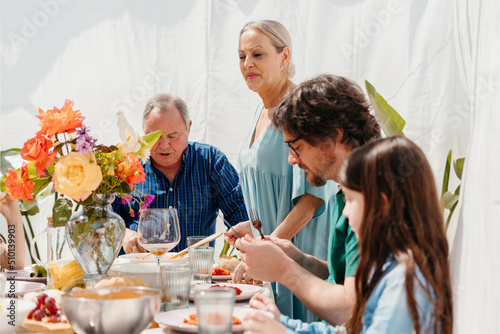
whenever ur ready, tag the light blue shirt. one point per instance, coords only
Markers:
(386, 310)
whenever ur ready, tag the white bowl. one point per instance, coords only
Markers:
(145, 271)
(13, 312)
(148, 257)
(19, 288)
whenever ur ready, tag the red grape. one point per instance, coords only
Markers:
(41, 299)
(39, 315)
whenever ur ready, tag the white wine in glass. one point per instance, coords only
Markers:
(158, 232)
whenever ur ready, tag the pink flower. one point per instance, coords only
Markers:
(126, 199)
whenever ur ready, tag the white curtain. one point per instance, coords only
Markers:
(475, 260)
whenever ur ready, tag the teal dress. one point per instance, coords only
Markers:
(272, 186)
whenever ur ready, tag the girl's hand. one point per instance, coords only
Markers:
(264, 303)
(258, 322)
(9, 208)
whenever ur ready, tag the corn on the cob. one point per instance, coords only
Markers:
(62, 276)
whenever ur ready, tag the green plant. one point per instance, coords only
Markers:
(392, 124)
(449, 199)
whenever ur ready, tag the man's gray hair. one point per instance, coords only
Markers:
(162, 103)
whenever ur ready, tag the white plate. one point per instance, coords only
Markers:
(147, 257)
(175, 319)
(222, 277)
(19, 288)
(247, 290)
(24, 275)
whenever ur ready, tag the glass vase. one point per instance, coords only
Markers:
(95, 235)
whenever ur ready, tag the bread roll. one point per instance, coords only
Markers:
(115, 281)
(228, 262)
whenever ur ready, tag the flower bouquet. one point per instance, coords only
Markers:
(65, 159)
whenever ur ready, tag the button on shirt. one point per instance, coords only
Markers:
(205, 183)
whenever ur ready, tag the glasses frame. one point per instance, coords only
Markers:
(289, 144)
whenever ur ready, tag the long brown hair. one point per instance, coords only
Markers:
(408, 225)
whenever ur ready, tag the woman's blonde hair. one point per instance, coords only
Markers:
(279, 36)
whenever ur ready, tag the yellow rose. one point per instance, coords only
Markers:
(76, 175)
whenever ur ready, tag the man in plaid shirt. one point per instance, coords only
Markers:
(196, 179)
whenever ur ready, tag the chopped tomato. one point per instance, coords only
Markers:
(192, 320)
(238, 290)
(220, 271)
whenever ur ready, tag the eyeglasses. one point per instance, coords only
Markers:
(289, 144)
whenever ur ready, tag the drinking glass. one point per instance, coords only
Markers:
(214, 310)
(200, 261)
(158, 232)
(175, 285)
(191, 240)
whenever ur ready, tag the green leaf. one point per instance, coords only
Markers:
(30, 210)
(123, 187)
(449, 200)
(390, 120)
(446, 176)
(61, 212)
(152, 138)
(458, 166)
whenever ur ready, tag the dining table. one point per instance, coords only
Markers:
(267, 291)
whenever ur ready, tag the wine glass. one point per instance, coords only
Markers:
(158, 232)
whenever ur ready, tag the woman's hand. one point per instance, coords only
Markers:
(289, 248)
(242, 228)
(264, 303)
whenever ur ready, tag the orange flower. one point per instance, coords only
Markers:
(19, 186)
(37, 149)
(130, 169)
(57, 121)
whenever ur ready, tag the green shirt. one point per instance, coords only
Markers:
(343, 256)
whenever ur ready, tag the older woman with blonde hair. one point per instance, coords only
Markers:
(288, 206)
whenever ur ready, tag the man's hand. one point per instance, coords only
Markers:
(242, 228)
(130, 244)
(262, 259)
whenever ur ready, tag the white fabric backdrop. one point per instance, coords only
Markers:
(475, 250)
(114, 55)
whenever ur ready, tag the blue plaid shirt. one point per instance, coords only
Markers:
(205, 183)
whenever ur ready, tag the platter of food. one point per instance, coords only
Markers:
(184, 320)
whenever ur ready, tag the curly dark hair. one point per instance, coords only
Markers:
(318, 106)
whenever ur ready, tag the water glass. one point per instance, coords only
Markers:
(200, 261)
(191, 240)
(214, 310)
(175, 286)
